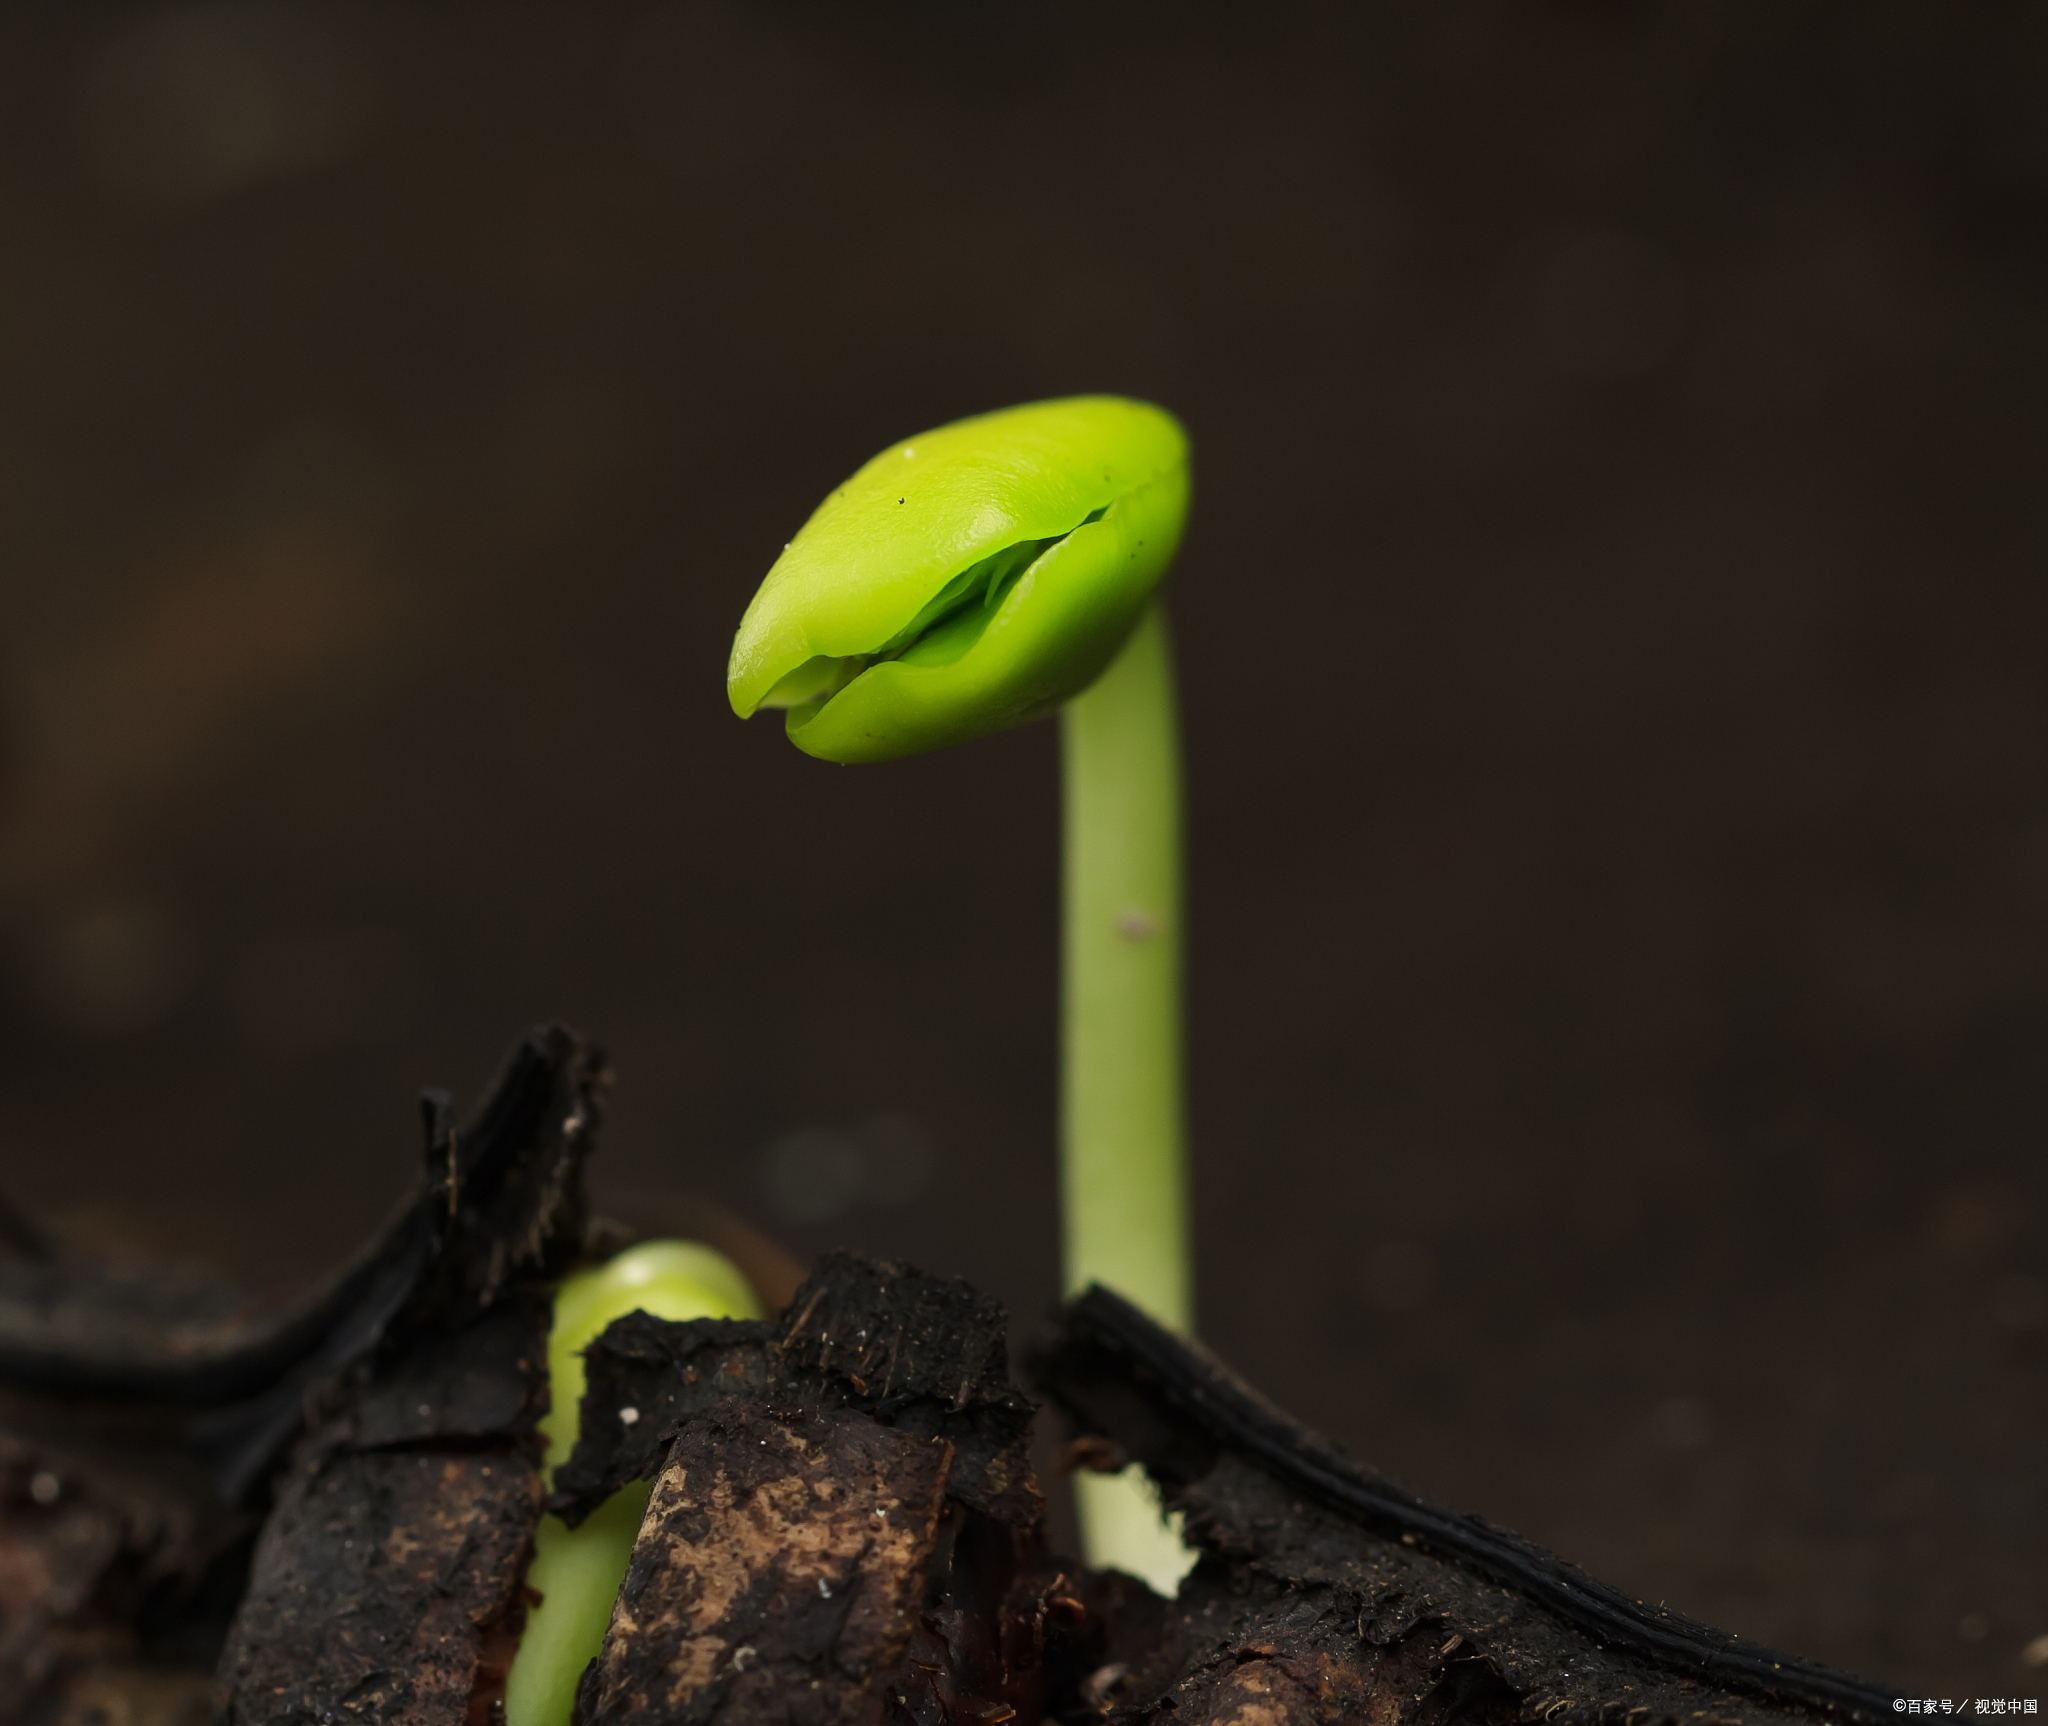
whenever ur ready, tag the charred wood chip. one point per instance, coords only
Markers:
(77, 1326)
(918, 1337)
(514, 1189)
(869, 1355)
(1290, 1619)
(381, 1588)
(777, 1573)
(504, 1192)
(387, 1584)
(1289, 1525)
(486, 1379)
(501, 1208)
(136, 1411)
(930, 1351)
(928, 1354)
(667, 1373)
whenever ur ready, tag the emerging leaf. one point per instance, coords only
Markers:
(966, 580)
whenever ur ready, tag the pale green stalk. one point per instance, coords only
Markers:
(1123, 1168)
(1124, 1189)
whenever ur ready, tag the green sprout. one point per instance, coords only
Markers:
(967, 580)
(577, 1572)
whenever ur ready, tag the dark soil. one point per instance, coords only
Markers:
(843, 1528)
(331, 1514)
(331, 1504)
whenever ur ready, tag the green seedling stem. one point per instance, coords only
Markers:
(970, 579)
(1123, 1168)
(1123, 1159)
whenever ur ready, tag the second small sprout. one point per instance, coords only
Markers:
(577, 1572)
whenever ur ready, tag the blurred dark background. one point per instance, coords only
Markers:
(1612, 630)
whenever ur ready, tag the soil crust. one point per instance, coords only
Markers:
(330, 1505)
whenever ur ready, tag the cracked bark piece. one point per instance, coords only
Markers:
(142, 1413)
(778, 1569)
(383, 1583)
(893, 1362)
(925, 1354)
(387, 1582)
(236, 1371)
(1326, 1591)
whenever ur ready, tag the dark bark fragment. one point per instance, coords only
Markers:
(501, 1209)
(796, 1462)
(377, 1584)
(928, 1355)
(1327, 1591)
(923, 1354)
(493, 1200)
(776, 1573)
(1324, 1592)
(387, 1581)
(844, 1527)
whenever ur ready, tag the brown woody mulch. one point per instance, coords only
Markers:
(329, 1506)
